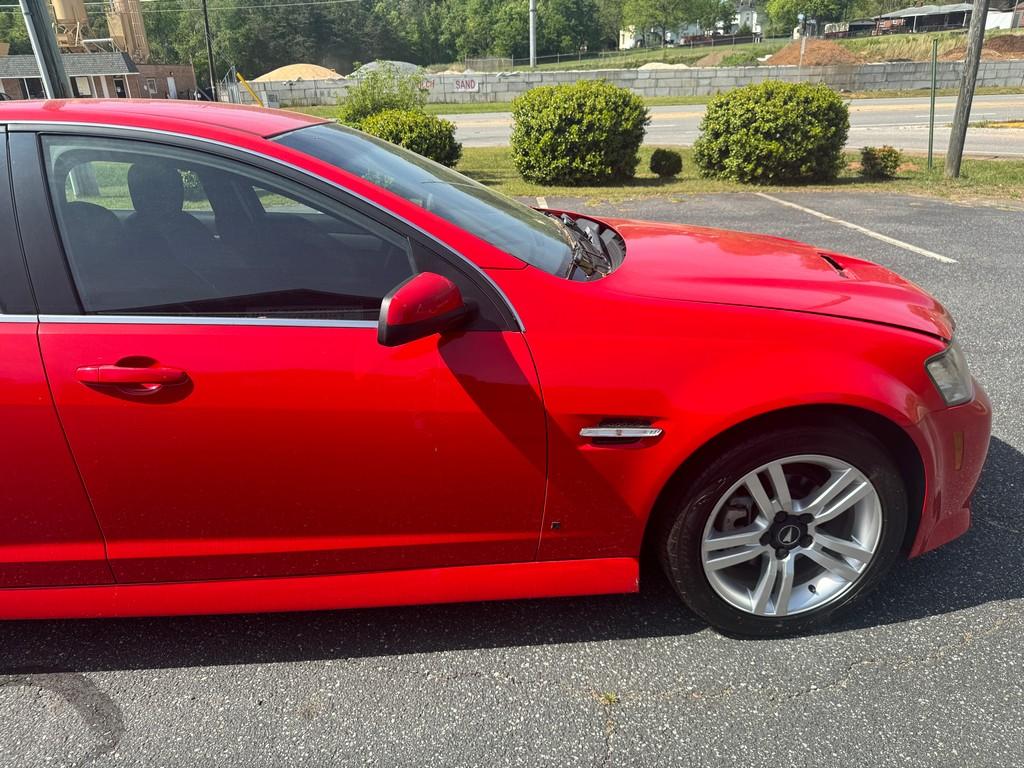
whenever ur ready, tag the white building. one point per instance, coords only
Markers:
(747, 16)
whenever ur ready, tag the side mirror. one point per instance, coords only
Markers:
(423, 305)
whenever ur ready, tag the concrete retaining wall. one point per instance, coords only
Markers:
(663, 82)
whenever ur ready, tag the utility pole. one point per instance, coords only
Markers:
(209, 51)
(44, 45)
(533, 33)
(931, 108)
(976, 38)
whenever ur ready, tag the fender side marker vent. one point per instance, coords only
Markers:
(619, 433)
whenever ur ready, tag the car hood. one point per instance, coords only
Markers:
(671, 261)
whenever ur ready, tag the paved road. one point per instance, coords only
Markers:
(928, 672)
(901, 123)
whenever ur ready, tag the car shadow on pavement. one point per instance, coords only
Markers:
(981, 567)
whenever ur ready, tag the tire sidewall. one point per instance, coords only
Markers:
(681, 548)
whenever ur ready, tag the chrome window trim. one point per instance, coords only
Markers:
(289, 322)
(19, 318)
(42, 125)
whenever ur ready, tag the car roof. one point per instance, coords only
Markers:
(171, 114)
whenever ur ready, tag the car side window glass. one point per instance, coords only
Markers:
(105, 183)
(156, 230)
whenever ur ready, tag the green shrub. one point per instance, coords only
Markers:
(588, 132)
(880, 162)
(424, 134)
(381, 89)
(666, 163)
(774, 132)
(740, 59)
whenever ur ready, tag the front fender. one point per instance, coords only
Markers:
(694, 370)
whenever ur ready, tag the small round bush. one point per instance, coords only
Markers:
(381, 89)
(424, 134)
(774, 132)
(880, 162)
(666, 163)
(588, 132)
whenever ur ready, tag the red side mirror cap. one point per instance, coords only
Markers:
(423, 305)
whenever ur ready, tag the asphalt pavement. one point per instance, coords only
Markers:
(901, 123)
(929, 670)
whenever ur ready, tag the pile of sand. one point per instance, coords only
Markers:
(818, 53)
(662, 65)
(1001, 47)
(299, 72)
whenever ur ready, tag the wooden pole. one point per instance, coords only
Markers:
(209, 51)
(976, 38)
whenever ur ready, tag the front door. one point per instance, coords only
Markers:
(226, 399)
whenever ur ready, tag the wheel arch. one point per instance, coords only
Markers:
(899, 443)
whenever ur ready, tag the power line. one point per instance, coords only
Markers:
(248, 7)
(13, 8)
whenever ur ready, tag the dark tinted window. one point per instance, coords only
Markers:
(504, 223)
(150, 229)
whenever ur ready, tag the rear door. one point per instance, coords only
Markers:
(48, 533)
(266, 432)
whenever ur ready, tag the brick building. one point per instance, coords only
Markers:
(100, 75)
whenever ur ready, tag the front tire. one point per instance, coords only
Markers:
(782, 531)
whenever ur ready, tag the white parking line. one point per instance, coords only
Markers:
(862, 230)
(542, 202)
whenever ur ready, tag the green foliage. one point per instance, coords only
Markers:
(384, 88)
(562, 26)
(427, 135)
(708, 13)
(774, 132)
(740, 59)
(12, 30)
(783, 13)
(259, 39)
(880, 162)
(588, 132)
(662, 15)
(666, 163)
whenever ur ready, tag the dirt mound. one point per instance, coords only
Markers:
(712, 59)
(1008, 46)
(299, 72)
(1001, 47)
(818, 53)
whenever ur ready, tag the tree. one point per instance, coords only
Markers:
(663, 15)
(609, 22)
(784, 12)
(709, 13)
(12, 30)
(570, 25)
(258, 39)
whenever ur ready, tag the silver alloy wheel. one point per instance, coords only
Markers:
(792, 536)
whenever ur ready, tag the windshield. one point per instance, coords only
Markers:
(504, 223)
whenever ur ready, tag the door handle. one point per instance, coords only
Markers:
(148, 377)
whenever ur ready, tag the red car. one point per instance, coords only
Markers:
(255, 361)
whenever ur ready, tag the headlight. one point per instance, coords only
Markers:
(949, 372)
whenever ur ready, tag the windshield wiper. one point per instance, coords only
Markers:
(584, 259)
(588, 252)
